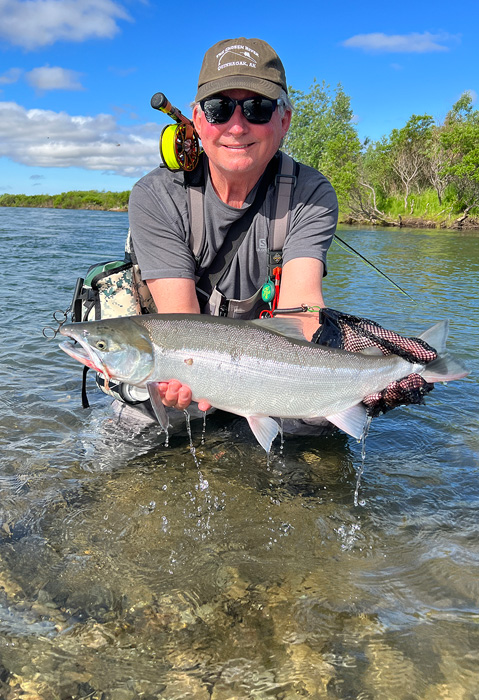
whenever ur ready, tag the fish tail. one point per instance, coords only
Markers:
(444, 368)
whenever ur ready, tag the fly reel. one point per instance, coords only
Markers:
(179, 143)
(179, 147)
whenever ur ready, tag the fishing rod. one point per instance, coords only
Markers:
(368, 262)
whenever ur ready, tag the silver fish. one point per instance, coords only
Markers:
(256, 369)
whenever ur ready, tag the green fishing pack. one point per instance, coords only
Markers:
(109, 290)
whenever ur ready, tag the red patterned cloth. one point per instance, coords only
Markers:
(410, 389)
(355, 334)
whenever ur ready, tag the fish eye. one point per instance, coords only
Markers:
(101, 344)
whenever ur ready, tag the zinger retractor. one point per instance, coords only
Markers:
(179, 143)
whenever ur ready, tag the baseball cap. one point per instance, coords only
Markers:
(249, 64)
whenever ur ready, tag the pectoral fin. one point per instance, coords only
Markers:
(264, 429)
(158, 406)
(352, 420)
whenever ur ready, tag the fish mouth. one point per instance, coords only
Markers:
(75, 350)
(84, 353)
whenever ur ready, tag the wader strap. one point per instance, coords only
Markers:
(197, 218)
(285, 183)
(215, 305)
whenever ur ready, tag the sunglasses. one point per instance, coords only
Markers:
(257, 110)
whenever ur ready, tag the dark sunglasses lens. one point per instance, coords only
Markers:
(258, 110)
(218, 110)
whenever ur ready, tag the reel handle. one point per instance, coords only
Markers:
(160, 102)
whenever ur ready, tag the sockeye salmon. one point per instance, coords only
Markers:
(256, 369)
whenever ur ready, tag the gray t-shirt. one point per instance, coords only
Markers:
(159, 225)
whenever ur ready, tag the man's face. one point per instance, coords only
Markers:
(239, 146)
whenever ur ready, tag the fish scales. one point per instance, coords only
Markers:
(238, 367)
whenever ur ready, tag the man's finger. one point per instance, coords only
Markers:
(169, 392)
(183, 397)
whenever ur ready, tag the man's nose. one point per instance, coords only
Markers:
(238, 121)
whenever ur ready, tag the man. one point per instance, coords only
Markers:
(241, 114)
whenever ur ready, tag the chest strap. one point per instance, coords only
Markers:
(196, 195)
(285, 182)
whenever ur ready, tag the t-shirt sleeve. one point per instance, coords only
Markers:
(158, 225)
(314, 218)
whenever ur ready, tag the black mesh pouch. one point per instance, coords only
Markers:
(353, 333)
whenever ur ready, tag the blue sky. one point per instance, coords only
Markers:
(76, 76)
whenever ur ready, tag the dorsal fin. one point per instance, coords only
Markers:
(371, 350)
(290, 327)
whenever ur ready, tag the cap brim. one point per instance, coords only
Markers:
(243, 82)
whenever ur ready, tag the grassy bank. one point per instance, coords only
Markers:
(421, 210)
(91, 199)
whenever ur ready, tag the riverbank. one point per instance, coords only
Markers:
(94, 200)
(90, 207)
(90, 200)
(462, 223)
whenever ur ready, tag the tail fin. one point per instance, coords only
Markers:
(445, 367)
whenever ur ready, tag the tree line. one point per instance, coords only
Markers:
(90, 199)
(424, 170)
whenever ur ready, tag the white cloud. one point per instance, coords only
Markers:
(12, 75)
(35, 23)
(43, 138)
(400, 43)
(54, 78)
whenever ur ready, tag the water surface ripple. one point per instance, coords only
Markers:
(128, 571)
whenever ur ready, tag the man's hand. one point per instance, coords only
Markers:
(174, 394)
(176, 296)
(410, 389)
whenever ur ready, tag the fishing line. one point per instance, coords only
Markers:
(368, 262)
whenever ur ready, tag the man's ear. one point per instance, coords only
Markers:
(286, 121)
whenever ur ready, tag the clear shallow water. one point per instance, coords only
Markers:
(126, 571)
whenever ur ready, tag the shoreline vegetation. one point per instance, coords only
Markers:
(424, 174)
(89, 199)
(95, 200)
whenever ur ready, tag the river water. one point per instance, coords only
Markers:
(129, 571)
